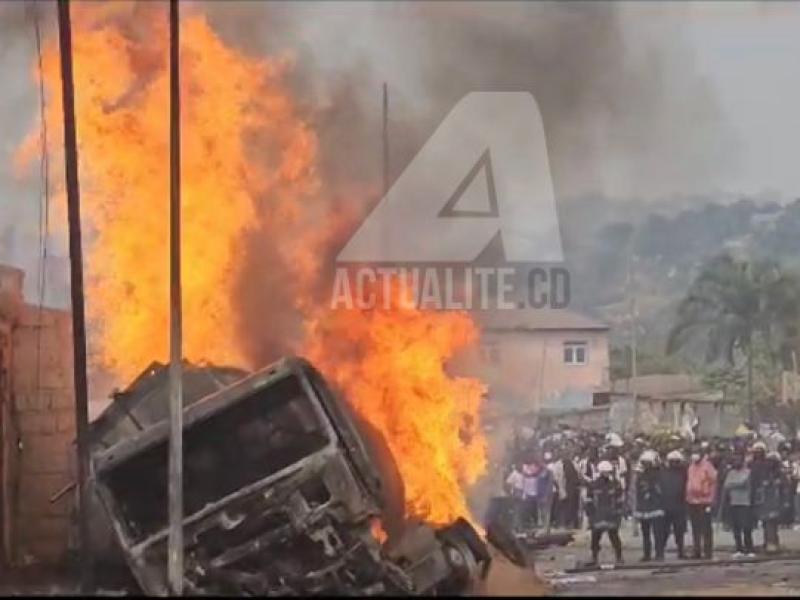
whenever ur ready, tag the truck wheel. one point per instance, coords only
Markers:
(465, 551)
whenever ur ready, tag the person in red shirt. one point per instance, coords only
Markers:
(701, 486)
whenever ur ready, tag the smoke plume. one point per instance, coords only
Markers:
(622, 116)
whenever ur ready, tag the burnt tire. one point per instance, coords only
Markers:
(461, 537)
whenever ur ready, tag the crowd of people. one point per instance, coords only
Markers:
(571, 479)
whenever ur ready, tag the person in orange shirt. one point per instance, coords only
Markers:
(701, 486)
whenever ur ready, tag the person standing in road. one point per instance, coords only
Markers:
(759, 466)
(530, 494)
(650, 506)
(630, 491)
(720, 460)
(673, 488)
(701, 488)
(737, 496)
(787, 513)
(571, 495)
(796, 483)
(515, 483)
(604, 505)
(556, 467)
(769, 500)
(546, 492)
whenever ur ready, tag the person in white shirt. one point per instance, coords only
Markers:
(514, 482)
(530, 493)
(514, 488)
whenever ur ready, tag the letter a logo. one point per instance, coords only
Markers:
(483, 172)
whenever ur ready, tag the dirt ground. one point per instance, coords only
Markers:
(779, 577)
(506, 579)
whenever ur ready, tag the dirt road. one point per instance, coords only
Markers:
(780, 577)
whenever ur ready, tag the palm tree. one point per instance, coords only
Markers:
(730, 303)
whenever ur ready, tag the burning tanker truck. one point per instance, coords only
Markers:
(286, 492)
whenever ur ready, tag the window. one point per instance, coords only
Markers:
(575, 353)
(601, 399)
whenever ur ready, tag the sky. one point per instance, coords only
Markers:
(750, 54)
(745, 53)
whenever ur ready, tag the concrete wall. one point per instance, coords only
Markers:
(659, 414)
(43, 399)
(528, 370)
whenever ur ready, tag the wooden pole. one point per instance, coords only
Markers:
(385, 138)
(634, 367)
(634, 334)
(76, 290)
(750, 412)
(175, 542)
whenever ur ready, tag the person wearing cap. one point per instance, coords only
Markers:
(758, 462)
(604, 505)
(737, 496)
(673, 488)
(649, 510)
(769, 500)
(701, 488)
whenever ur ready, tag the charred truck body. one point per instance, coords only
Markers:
(283, 487)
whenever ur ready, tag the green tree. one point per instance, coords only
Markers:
(731, 380)
(647, 363)
(732, 304)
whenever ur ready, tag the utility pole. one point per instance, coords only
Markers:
(76, 290)
(634, 360)
(634, 332)
(385, 138)
(175, 542)
(750, 413)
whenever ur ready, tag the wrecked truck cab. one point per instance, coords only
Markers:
(283, 487)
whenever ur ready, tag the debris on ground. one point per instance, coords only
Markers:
(507, 579)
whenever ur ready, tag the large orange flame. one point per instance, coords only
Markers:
(228, 100)
(391, 365)
(248, 154)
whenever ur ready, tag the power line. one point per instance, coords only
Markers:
(44, 200)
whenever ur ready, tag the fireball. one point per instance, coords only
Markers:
(249, 156)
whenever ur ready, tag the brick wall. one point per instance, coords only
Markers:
(45, 424)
